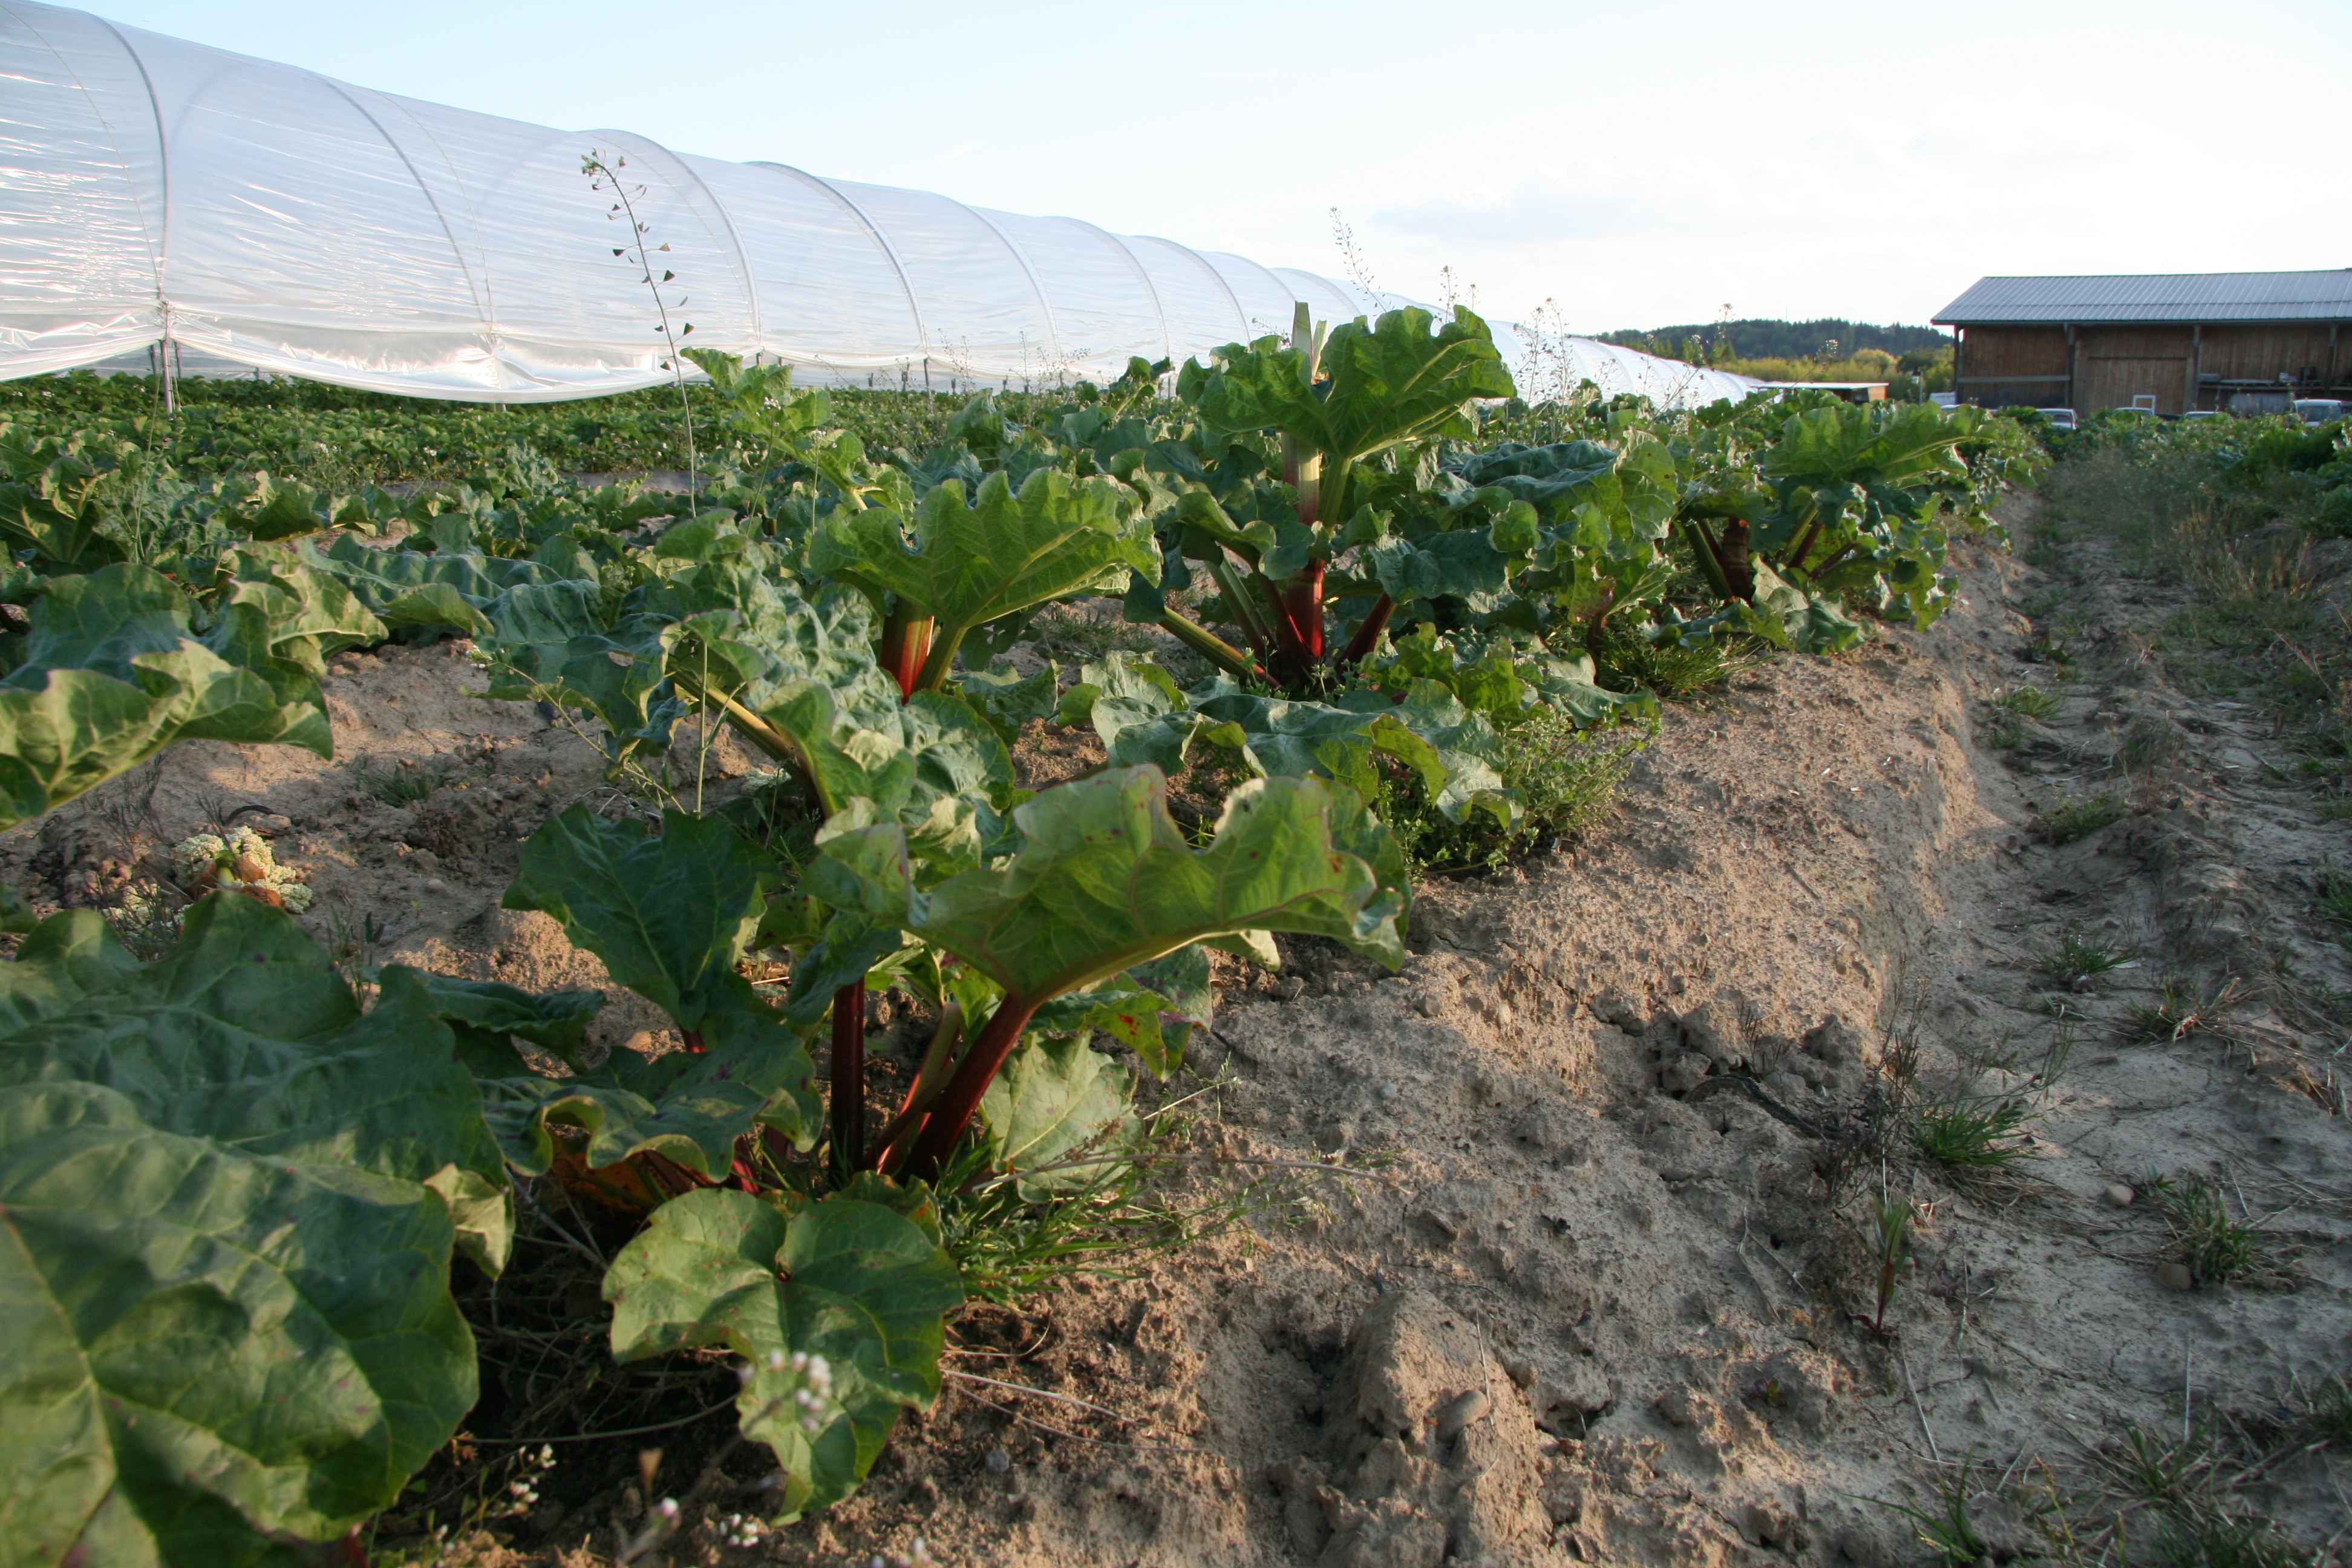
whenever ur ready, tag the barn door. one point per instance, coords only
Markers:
(2113, 380)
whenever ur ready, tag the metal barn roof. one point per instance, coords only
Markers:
(2156, 297)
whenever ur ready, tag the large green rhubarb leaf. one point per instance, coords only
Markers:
(207, 1356)
(114, 667)
(1868, 444)
(1105, 880)
(1002, 553)
(244, 1034)
(857, 1280)
(670, 914)
(227, 1198)
(1381, 384)
(1053, 1098)
(428, 590)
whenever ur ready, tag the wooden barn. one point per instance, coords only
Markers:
(2170, 342)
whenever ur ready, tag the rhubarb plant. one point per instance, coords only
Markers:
(1104, 880)
(1296, 442)
(1849, 499)
(1142, 717)
(1005, 552)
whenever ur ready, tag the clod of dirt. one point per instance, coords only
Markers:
(1565, 1401)
(1712, 1029)
(1684, 1073)
(1613, 1006)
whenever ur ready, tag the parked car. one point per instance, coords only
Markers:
(2319, 410)
(2255, 402)
(2060, 418)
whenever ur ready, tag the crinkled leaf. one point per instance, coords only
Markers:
(1051, 1098)
(113, 667)
(1385, 384)
(436, 590)
(1456, 754)
(244, 1034)
(1105, 878)
(1544, 477)
(490, 1011)
(688, 1107)
(1464, 565)
(669, 915)
(1856, 443)
(1008, 700)
(1001, 554)
(1152, 1009)
(855, 1278)
(202, 1349)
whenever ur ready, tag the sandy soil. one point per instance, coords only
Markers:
(1580, 1306)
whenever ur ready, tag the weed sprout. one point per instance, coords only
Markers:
(2216, 1247)
(2079, 816)
(2027, 702)
(2078, 959)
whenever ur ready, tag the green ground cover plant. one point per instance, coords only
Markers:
(1417, 641)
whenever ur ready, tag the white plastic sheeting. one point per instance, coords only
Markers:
(154, 190)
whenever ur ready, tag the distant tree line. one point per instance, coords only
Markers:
(1713, 342)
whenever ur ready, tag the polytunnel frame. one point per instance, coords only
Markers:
(743, 268)
(1028, 270)
(480, 359)
(897, 266)
(1201, 260)
(1142, 275)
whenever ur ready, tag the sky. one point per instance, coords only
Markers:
(1629, 165)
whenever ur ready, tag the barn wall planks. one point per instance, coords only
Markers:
(2004, 365)
(2260, 351)
(2095, 365)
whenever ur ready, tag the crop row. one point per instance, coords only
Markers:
(234, 1191)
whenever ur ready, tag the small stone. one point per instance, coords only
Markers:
(1427, 1003)
(1389, 1091)
(2119, 1196)
(436, 885)
(1523, 1373)
(2176, 1277)
(999, 1462)
(1503, 1013)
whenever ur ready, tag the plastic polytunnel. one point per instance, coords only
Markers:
(154, 191)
